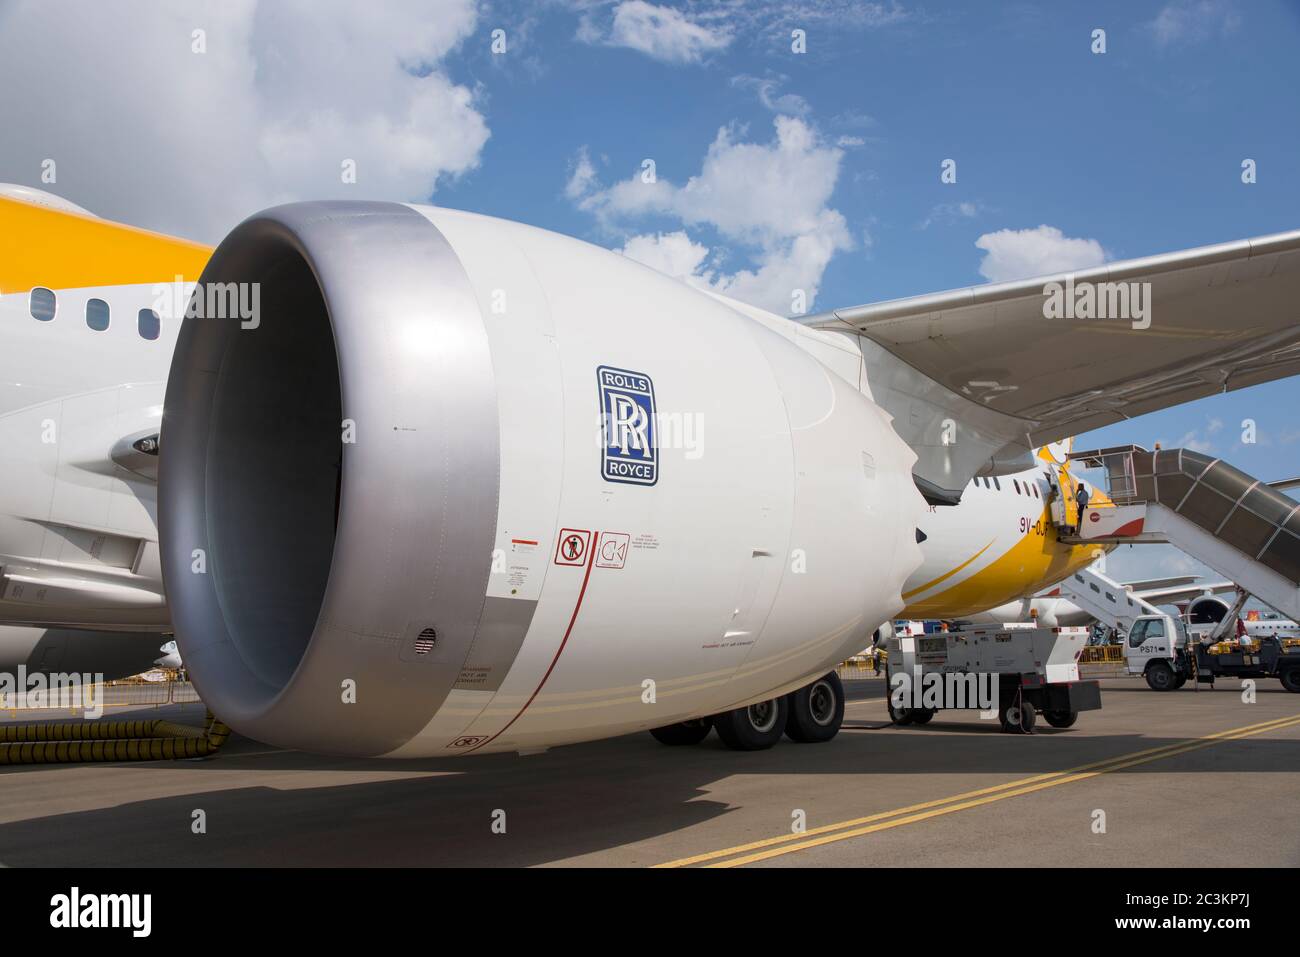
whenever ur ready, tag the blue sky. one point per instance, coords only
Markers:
(774, 169)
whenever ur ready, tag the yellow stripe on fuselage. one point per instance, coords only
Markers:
(948, 574)
(40, 246)
(1036, 561)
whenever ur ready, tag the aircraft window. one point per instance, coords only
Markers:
(42, 304)
(97, 314)
(1036, 495)
(150, 325)
(1016, 483)
(997, 483)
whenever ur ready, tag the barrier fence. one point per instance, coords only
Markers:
(859, 667)
(75, 697)
(1102, 654)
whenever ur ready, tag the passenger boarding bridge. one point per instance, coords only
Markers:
(1241, 527)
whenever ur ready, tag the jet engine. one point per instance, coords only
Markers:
(1207, 610)
(464, 485)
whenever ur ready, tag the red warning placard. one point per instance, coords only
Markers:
(572, 547)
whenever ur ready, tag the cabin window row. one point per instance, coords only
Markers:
(43, 305)
(1028, 489)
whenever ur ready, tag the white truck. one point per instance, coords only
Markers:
(1015, 671)
(1162, 650)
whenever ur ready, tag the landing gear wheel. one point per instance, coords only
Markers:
(754, 728)
(1061, 719)
(1291, 679)
(922, 715)
(684, 732)
(817, 711)
(1160, 677)
(1017, 717)
(899, 716)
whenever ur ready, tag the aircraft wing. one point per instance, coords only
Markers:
(1154, 583)
(1159, 596)
(1002, 362)
(1283, 484)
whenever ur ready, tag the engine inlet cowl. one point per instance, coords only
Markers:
(328, 478)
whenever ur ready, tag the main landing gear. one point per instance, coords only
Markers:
(812, 714)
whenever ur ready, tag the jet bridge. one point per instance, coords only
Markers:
(1243, 528)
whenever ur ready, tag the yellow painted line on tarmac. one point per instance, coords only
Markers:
(884, 820)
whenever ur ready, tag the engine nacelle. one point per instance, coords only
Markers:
(1207, 610)
(466, 485)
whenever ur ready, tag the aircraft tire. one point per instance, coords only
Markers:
(816, 711)
(755, 728)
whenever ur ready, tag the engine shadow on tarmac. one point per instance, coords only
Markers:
(265, 806)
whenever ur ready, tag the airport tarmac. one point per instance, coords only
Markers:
(1182, 778)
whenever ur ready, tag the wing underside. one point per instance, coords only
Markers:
(1034, 361)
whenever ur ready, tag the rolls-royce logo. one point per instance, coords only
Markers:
(630, 452)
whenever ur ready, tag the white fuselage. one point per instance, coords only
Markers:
(78, 530)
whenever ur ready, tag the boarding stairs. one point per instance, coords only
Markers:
(1111, 603)
(1244, 529)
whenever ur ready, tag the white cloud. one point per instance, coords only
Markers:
(671, 253)
(1022, 253)
(689, 32)
(662, 33)
(841, 15)
(1198, 440)
(768, 90)
(146, 131)
(750, 191)
(772, 198)
(583, 176)
(951, 212)
(1191, 21)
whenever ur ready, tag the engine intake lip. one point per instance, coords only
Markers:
(299, 566)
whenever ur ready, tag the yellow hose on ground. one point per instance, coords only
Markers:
(76, 741)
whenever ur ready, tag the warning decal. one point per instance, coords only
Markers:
(613, 550)
(571, 549)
